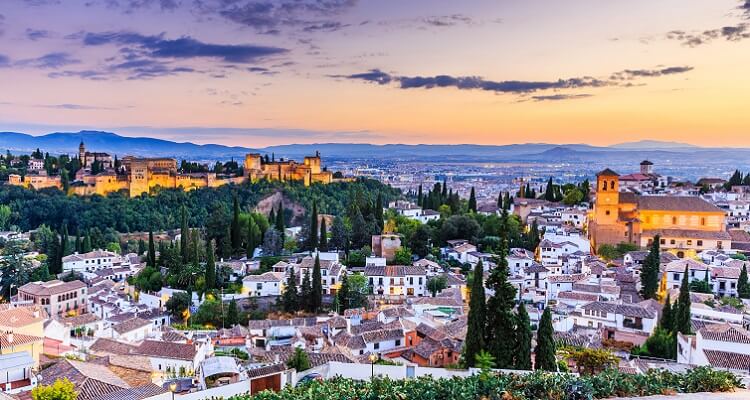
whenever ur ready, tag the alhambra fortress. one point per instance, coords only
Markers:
(138, 175)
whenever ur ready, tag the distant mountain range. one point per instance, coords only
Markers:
(67, 142)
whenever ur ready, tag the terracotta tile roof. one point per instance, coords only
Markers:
(679, 265)
(676, 203)
(687, 234)
(79, 320)
(725, 272)
(17, 339)
(628, 310)
(265, 277)
(393, 270)
(90, 380)
(108, 346)
(266, 370)
(131, 325)
(725, 359)
(577, 296)
(725, 333)
(135, 393)
(382, 335)
(21, 316)
(607, 172)
(51, 287)
(179, 351)
(565, 278)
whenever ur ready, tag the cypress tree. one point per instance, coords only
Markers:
(343, 294)
(472, 201)
(53, 249)
(419, 196)
(226, 244)
(312, 240)
(86, 245)
(650, 271)
(151, 258)
(549, 193)
(280, 221)
(289, 299)
(475, 330)
(317, 287)
(500, 200)
(306, 292)
(210, 274)
(682, 317)
(500, 320)
(529, 193)
(272, 216)
(523, 339)
(232, 317)
(666, 321)
(253, 237)
(235, 227)
(743, 286)
(184, 236)
(444, 193)
(78, 245)
(323, 245)
(545, 350)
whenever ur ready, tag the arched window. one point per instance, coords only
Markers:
(604, 189)
(613, 185)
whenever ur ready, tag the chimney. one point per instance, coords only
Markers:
(36, 313)
(276, 358)
(10, 337)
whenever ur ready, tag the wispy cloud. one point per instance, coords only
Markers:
(511, 86)
(560, 96)
(49, 61)
(730, 33)
(37, 34)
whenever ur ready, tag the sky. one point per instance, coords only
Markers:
(261, 72)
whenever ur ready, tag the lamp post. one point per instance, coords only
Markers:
(372, 357)
(173, 388)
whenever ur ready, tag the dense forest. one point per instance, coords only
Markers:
(160, 210)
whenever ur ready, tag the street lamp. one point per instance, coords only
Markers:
(173, 388)
(372, 357)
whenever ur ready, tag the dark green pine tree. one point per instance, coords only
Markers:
(78, 245)
(235, 228)
(343, 294)
(290, 298)
(305, 300)
(544, 353)
(53, 249)
(312, 240)
(317, 287)
(419, 197)
(549, 192)
(253, 237)
(666, 320)
(475, 329)
(142, 248)
(210, 274)
(500, 200)
(151, 257)
(444, 192)
(323, 245)
(523, 339)
(272, 216)
(743, 286)
(232, 316)
(682, 316)
(472, 201)
(184, 236)
(500, 329)
(650, 271)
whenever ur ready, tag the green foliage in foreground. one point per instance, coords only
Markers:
(536, 385)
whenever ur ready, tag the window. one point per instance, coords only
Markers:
(606, 212)
(674, 220)
(376, 346)
(663, 241)
(671, 241)
(690, 242)
(676, 277)
(604, 188)
(703, 221)
(699, 243)
(398, 342)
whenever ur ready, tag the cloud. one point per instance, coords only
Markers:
(448, 20)
(511, 86)
(4, 61)
(630, 74)
(36, 34)
(2, 21)
(269, 17)
(329, 26)
(184, 47)
(730, 33)
(557, 97)
(69, 106)
(84, 74)
(49, 61)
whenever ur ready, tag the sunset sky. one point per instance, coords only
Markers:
(256, 73)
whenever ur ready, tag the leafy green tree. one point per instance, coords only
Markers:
(339, 235)
(661, 344)
(460, 227)
(254, 237)
(15, 269)
(545, 344)
(650, 271)
(682, 316)
(743, 286)
(177, 304)
(477, 318)
(61, 389)
(472, 201)
(572, 197)
(436, 284)
(210, 274)
(316, 301)
(290, 297)
(358, 290)
(484, 361)
(701, 286)
(272, 242)
(184, 235)
(5, 213)
(419, 241)
(402, 256)
(378, 212)
(523, 339)
(299, 360)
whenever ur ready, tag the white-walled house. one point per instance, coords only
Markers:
(725, 346)
(266, 284)
(622, 317)
(397, 280)
(675, 270)
(91, 261)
